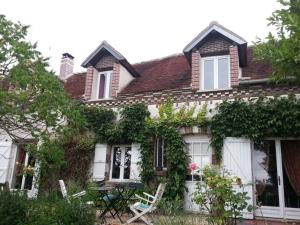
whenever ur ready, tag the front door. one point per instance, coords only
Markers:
(276, 173)
(121, 163)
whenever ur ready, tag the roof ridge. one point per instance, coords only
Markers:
(158, 59)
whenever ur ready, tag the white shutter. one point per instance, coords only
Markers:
(5, 156)
(135, 158)
(237, 160)
(99, 162)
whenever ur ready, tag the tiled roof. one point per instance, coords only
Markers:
(171, 72)
(75, 85)
(256, 69)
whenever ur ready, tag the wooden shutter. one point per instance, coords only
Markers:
(237, 160)
(5, 156)
(99, 162)
(135, 157)
(101, 86)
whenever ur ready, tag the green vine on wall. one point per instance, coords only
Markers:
(135, 125)
(167, 127)
(256, 119)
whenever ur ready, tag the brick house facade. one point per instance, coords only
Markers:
(216, 65)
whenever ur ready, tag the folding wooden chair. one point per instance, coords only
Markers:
(146, 205)
(65, 195)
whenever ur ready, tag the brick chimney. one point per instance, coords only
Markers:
(66, 65)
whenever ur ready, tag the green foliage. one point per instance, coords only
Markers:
(33, 103)
(283, 48)
(256, 119)
(216, 195)
(101, 121)
(16, 209)
(166, 126)
(170, 207)
(136, 126)
(57, 211)
(68, 159)
(13, 208)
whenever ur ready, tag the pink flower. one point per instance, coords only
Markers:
(193, 166)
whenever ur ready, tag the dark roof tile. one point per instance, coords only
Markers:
(172, 72)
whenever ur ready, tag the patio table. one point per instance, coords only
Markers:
(115, 203)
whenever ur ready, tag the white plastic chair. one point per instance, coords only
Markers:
(65, 195)
(146, 205)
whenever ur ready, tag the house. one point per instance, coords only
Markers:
(216, 65)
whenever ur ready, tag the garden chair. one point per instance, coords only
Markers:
(74, 196)
(146, 205)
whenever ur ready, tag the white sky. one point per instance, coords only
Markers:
(139, 29)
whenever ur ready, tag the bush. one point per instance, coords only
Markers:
(170, 207)
(217, 196)
(13, 207)
(16, 209)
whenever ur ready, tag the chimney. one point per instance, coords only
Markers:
(66, 65)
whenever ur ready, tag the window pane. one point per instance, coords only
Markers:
(208, 74)
(205, 161)
(205, 149)
(101, 86)
(159, 154)
(197, 148)
(117, 155)
(197, 159)
(223, 76)
(127, 162)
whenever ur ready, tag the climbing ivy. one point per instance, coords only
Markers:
(255, 119)
(136, 126)
(166, 126)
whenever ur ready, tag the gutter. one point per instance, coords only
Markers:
(255, 81)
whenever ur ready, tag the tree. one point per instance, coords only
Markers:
(33, 103)
(282, 49)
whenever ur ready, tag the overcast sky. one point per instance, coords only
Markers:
(139, 29)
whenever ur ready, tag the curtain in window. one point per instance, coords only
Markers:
(291, 162)
(101, 86)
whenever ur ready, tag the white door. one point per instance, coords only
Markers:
(237, 160)
(276, 178)
(199, 152)
(120, 162)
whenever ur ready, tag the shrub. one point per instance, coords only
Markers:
(17, 209)
(57, 211)
(13, 207)
(217, 196)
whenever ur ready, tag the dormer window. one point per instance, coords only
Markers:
(104, 85)
(215, 72)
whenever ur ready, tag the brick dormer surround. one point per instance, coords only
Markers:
(195, 79)
(115, 79)
(234, 66)
(196, 68)
(103, 64)
(88, 83)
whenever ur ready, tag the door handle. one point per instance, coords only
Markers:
(279, 180)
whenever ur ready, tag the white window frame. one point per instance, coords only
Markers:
(23, 176)
(107, 85)
(216, 78)
(191, 143)
(122, 147)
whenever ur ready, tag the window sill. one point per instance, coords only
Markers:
(215, 90)
(100, 99)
